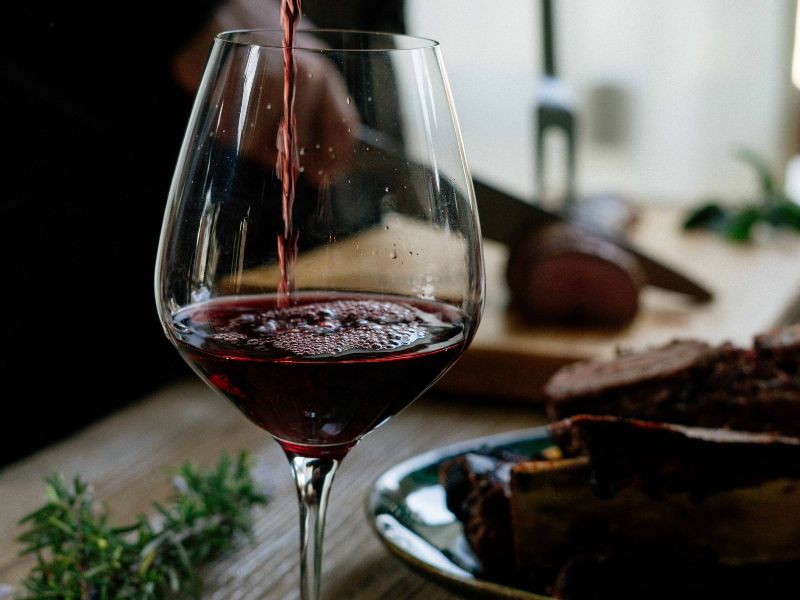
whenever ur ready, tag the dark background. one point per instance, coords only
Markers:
(92, 120)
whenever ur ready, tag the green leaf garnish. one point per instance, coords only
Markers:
(80, 556)
(736, 223)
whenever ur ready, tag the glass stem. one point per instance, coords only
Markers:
(313, 477)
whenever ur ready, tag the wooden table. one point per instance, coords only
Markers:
(128, 457)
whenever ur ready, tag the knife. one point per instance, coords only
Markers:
(507, 219)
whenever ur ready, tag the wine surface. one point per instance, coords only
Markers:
(320, 373)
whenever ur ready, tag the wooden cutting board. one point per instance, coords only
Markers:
(756, 287)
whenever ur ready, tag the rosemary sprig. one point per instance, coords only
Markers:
(80, 556)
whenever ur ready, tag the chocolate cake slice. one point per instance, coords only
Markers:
(707, 495)
(478, 494)
(660, 576)
(675, 462)
(689, 382)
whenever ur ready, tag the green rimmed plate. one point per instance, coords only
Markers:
(406, 507)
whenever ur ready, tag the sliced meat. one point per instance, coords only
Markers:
(564, 274)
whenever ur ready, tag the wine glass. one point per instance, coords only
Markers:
(320, 261)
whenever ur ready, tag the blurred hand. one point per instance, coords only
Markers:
(326, 120)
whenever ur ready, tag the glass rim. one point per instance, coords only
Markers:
(249, 39)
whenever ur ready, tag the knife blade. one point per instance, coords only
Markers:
(505, 218)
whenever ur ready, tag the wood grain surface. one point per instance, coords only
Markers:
(127, 458)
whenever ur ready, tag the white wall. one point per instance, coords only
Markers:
(696, 79)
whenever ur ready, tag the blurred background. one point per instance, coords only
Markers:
(665, 91)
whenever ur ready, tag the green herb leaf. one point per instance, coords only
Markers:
(736, 224)
(79, 556)
(706, 216)
(783, 213)
(763, 172)
(740, 225)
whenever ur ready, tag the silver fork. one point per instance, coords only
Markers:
(554, 110)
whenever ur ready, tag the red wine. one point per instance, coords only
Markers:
(320, 373)
(288, 164)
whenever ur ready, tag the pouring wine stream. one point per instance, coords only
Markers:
(287, 166)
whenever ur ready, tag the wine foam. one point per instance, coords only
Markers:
(327, 328)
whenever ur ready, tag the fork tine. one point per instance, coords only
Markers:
(554, 110)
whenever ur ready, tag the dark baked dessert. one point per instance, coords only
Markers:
(726, 496)
(477, 490)
(665, 459)
(691, 489)
(690, 382)
(618, 488)
(780, 348)
(661, 576)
